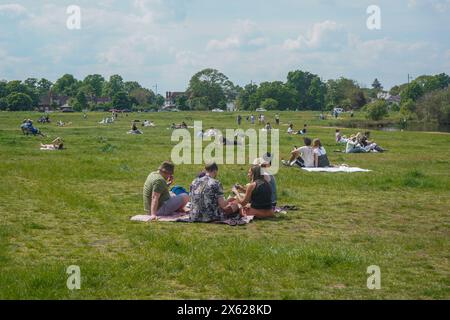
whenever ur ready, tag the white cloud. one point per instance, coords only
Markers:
(245, 34)
(440, 6)
(319, 34)
(13, 8)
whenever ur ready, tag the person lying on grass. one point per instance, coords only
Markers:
(56, 144)
(207, 197)
(157, 198)
(257, 200)
(304, 156)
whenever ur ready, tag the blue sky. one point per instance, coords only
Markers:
(165, 42)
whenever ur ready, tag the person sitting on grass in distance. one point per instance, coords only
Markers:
(291, 129)
(304, 156)
(56, 144)
(157, 198)
(304, 130)
(320, 155)
(353, 146)
(134, 129)
(340, 138)
(257, 200)
(207, 197)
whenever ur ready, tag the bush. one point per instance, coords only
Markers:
(376, 110)
(269, 104)
(435, 106)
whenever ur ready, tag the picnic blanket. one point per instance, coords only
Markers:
(337, 169)
(185, 218)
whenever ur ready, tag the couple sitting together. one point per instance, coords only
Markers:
(311, 155)
(358, 143)
(207, 197)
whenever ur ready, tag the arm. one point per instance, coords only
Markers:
(316, 160)
(222, 203)
(244, 200)
(154, 204)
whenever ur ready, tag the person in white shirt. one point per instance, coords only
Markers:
(304, 155)
(291, 129)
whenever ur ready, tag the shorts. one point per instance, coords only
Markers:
(171, 206)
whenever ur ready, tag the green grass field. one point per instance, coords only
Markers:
(72, 207)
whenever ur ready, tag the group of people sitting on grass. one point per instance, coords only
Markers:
(107, 120)
(206, 198)
(44, 119)
(311, 155)
(183, 125)
(358, 143)
(301, 132)
(28, 128)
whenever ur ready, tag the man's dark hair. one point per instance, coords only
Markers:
(168, 167)
(308, 142)
(211, 167)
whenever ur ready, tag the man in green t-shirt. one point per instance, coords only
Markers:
(157, 198)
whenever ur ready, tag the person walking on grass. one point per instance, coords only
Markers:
(157, 198)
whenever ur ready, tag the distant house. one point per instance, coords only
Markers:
(389, 98)
(66, 108)
(171, 99)
(231, 106)
(53, 101)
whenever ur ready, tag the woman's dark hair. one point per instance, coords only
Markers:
(211, 167)
(257, 173)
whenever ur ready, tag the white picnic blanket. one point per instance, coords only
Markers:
(337, 169)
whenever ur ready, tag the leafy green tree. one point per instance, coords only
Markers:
(412, 92)
(345, 93)
(18, 101)
(81, 101)
(244, 99)
(269, 104)
(376, 110)
(113, 86)
(66, 85)
(408, 107)
(376, 85)
(435, 106)
(3, 89)
(211, 89)
(129, 86)
(121, 100)
(182, 102)
(276, 90)
(95, 83)
(142, 96)
(309, 88)
(44, 86)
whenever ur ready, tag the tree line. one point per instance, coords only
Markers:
(426, 97)
(91, 93)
